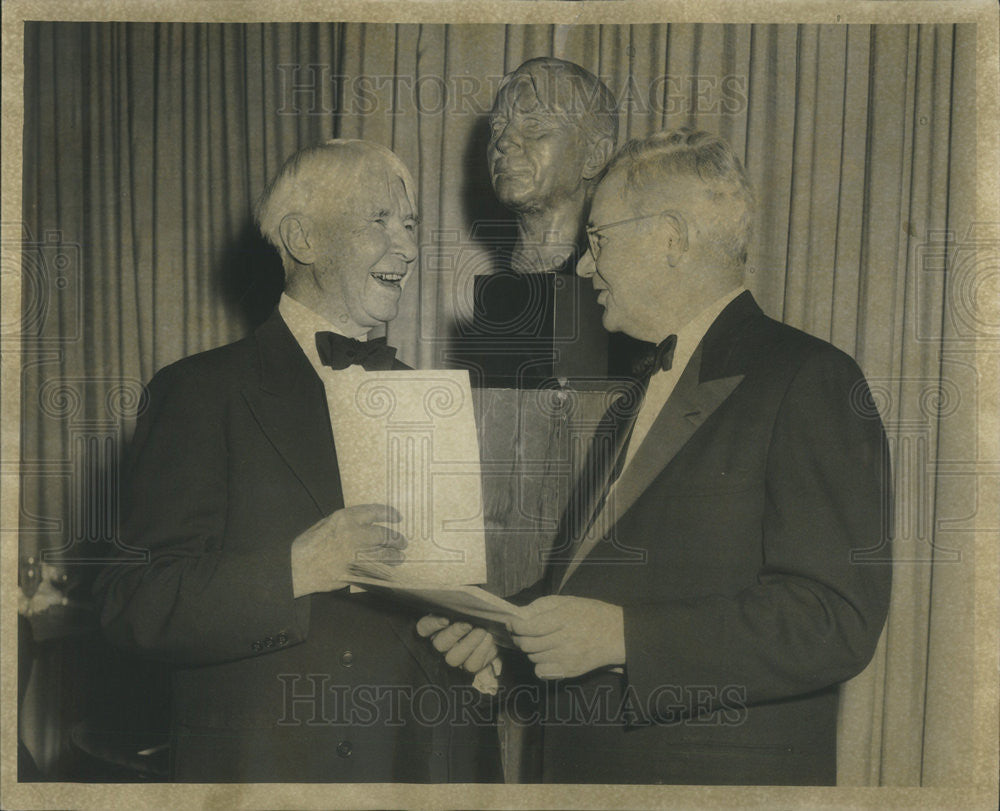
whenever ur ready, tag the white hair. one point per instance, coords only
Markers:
(314, 175)
(651, 165)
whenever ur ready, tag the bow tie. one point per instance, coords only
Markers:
(339, 352)
(655, 358)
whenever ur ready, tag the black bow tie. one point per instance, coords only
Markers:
(655, 358)
(339, 352)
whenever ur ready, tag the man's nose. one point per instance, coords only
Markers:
(585, 267)
(507, 139)
(404, 243)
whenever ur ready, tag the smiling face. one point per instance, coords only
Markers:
(365, 243)
(636, 285)
(658, 260)
(536, 155)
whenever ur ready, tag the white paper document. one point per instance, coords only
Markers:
(469, 603)
(408, 439)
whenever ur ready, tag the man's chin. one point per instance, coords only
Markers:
(384, 314)
(372, 314)
(381, 301)
(515, 195)
(609, 323)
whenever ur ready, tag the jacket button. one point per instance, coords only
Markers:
(257, 647)
(347, 658)
(268, 642)
(344, 749)
(282, 639)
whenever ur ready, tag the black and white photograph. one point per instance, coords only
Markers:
(500, 405)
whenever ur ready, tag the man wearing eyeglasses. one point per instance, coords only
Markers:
(724, 564)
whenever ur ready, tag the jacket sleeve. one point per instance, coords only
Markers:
(814, 615)
(189, 599)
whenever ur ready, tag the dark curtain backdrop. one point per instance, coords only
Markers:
(145, 144)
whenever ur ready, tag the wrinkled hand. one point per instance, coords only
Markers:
(321, 554)
(462, 645)
(568, 636)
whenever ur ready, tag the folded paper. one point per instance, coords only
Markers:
(408, 439)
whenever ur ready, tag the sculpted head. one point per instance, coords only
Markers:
(342, 215)
(668, 231)
(552, 131)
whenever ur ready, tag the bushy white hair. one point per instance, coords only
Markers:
(316, 176)
(651, 164)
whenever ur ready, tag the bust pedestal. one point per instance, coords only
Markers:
(543, 373)
(532, 443)
(528, 328)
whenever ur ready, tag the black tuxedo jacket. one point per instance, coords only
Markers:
(232, 460)
(737, 546)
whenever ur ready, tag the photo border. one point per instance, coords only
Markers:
(983, 718)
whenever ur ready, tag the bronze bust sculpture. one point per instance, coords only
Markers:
(553, 129)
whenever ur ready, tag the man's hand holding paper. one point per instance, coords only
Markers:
(569, 636)
(322, 554)
(563, 636)
(463, 645)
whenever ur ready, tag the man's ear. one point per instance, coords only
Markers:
(597, 157)
(294, 232)
(677, 237)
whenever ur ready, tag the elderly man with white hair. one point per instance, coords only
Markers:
(280, 674)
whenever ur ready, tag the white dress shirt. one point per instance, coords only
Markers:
(304, 324)
(661, 384)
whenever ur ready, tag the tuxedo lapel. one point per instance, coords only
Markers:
(706, 382)
(606, 448)
(289, 404)
(689, 405)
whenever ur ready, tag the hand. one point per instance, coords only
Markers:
(569, 636)
(462, 645)
(321, 554)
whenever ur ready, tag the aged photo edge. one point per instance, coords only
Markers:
(984, 723)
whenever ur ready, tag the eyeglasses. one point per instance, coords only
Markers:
(592, 232)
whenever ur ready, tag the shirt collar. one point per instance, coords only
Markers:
(690, 335)
(304, 323)
(694, 330)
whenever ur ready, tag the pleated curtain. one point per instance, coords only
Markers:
(146, 144)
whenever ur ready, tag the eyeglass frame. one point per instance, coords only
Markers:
(592, 231)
